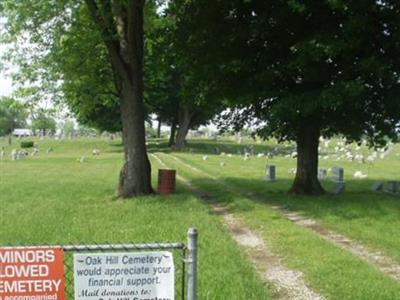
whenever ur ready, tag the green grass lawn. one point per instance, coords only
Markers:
(332, 271)
(370, 217)
(54, 199)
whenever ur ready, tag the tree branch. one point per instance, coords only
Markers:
(109, 35)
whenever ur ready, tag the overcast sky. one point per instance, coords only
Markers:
(5, 85)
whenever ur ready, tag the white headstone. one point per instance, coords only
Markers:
(338, 174)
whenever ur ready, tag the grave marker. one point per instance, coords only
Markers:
(377, 186)
(322, 174)
(338, 174)
(393, 186)
(339, 188)
(270, 173)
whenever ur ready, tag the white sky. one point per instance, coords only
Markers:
(5, 85)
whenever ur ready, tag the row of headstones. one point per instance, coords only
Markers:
(338, 177)
(337, 172)
(392, 187)
(21, 154)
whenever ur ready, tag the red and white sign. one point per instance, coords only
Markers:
(32, 273)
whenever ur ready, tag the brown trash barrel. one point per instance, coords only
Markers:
(166, 181)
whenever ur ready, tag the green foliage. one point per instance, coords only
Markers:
(172, 85)
(68, 60)
(65, 57)
(13, 115)
(27, 144)
(87, 131)
(81, 59)
(43, 121)
(286, 65)
(67, 127)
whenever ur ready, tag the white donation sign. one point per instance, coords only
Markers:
(124, 276)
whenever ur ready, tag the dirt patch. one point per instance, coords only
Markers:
(289, 284)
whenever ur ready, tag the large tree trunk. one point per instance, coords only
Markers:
(185, 120)
(306, 181)
(121, 25)
(135, 176)
(172, 134)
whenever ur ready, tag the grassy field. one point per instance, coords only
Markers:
(52, 198)
(367, 216)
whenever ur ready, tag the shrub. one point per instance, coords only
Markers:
(27, 144)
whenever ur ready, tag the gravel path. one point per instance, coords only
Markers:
(384, 263)
(289, 283)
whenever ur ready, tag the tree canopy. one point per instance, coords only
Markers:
(295, 70)
(43, 121)
(300, 69)
(13, 114)
(45, 32)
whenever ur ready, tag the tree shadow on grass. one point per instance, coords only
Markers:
(216, 147)
(209, 147)
(358, 201)
(115, 147)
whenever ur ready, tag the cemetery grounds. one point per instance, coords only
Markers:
(60, 198)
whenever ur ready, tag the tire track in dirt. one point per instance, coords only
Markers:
(289, 283)
(385, 264)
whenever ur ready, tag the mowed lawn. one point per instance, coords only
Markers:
(54, 199)
(368, 217)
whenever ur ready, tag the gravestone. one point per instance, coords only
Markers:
(393, 186)
(338, 174)
(322, 174)
(14, 154)
(339, 188)
(377, 187)
(35, 152)
(270, 173)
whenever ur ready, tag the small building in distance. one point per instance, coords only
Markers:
(21, 132)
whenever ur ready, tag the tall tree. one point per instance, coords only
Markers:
(300, 69)
(13, 114)
(43, 121)
(182, 94)
(120, 24)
